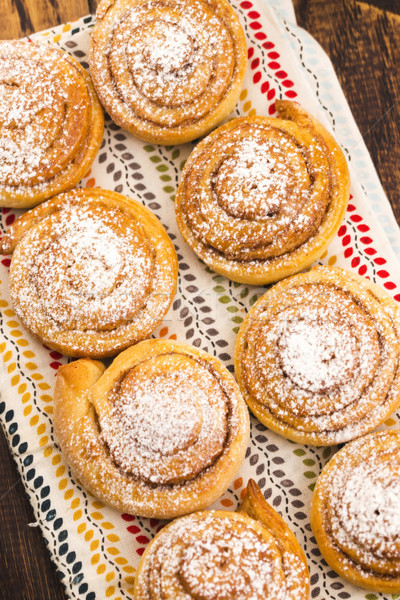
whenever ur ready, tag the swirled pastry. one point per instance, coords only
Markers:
(355, 512)
(160, 433)
(167, 71)
(317, 357)
(261, 198)
(92, 272)
(51, 123)
(213, 555)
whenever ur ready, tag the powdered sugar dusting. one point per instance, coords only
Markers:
(250, 182)
(366, 507)
(162, 432)
(322, 347)
(83, 274)
(89, 277)
(31, 103)
(315, 355)
(321, 361)
(141, 419)
(45, 118)
(253, 192)
(211, 557)
(171, 61)
(360, 505)
(170, 419)
(165, 63)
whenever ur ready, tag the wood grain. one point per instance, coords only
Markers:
(363, 43)
(22, 17)
(362, 40)
(26, 572)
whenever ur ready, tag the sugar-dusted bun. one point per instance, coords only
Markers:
(92, 272)
(261, 198)
(355, 512)
(51, 123)
(317, 357)
(210, 555)
(160, 433)
(168, 71)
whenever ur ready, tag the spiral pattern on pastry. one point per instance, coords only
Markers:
(355, 512)
(92, 272)
(250, 554)
(51, 123)
(261, 198)
(160, 433)
(317, 357)
(168, 71)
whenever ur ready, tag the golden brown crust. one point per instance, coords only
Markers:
(168, 72)
(160, 433)
(92, 272)
(256, 507)
(355, 512)
(251, 553)
(317, 357)
(261, 198)
(52, 123)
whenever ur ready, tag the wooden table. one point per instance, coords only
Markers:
(369, 71)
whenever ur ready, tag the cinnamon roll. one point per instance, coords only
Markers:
(167, 71)
(355, 512)
(160, 433)
(92, 272)
(51, 123)
(317, 357)
(212, 555)
(261, 198)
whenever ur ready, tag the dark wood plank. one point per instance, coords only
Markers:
(26, 571)
(388, 5)
(363, 43)
(22, 17)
